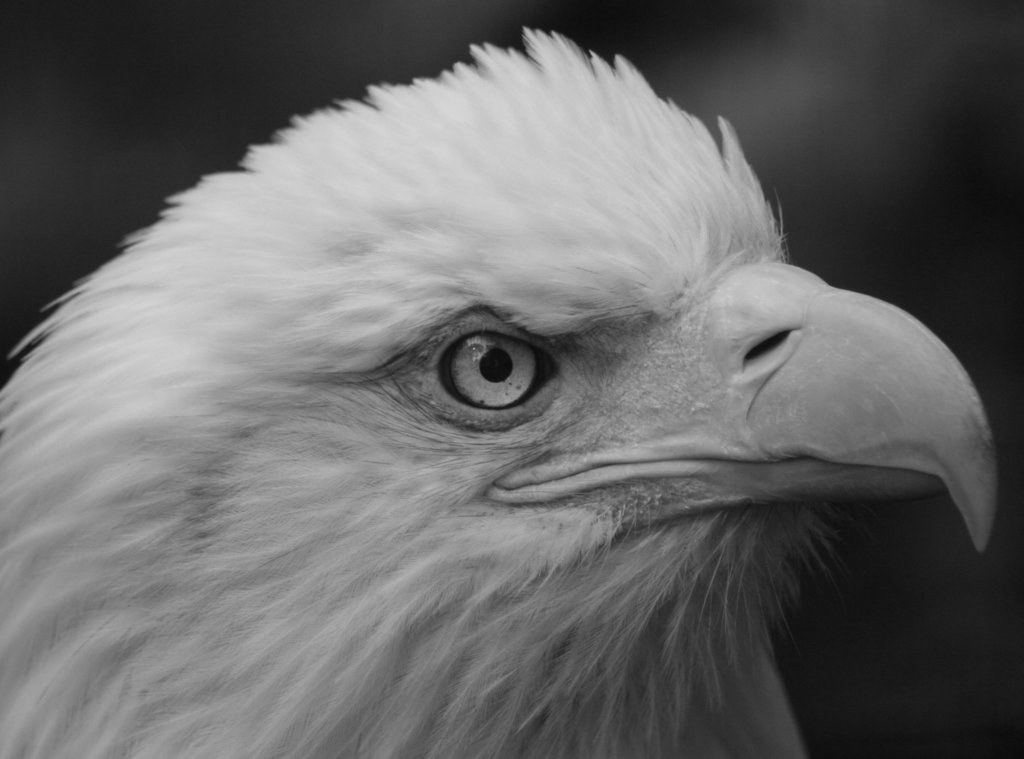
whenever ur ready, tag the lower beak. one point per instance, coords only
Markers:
(826, 396)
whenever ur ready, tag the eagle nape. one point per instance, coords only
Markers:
(483, 418)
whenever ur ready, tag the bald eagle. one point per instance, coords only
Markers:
(482, 418)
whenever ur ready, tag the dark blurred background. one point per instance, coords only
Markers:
(891, 134)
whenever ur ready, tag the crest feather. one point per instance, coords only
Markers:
(192, 511)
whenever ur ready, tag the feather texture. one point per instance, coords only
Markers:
(231, 528)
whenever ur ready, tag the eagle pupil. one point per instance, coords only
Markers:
(495, 365)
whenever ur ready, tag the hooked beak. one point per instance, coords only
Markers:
(824, 396)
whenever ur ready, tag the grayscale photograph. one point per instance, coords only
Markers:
(511, 379)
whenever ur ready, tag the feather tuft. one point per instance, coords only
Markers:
(228, 529)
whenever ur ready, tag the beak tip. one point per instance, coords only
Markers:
(980, 536)
(981, 530)
(978, 508)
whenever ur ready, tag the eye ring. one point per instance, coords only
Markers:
(490, 370)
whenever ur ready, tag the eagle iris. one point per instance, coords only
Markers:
(490, 370)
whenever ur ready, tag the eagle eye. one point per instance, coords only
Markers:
(490, 370)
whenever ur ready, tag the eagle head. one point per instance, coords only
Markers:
(483, 418)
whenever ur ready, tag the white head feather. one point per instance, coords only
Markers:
(228, 530)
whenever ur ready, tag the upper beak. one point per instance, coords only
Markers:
(823, 395)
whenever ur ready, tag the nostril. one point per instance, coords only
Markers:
(765, 346)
